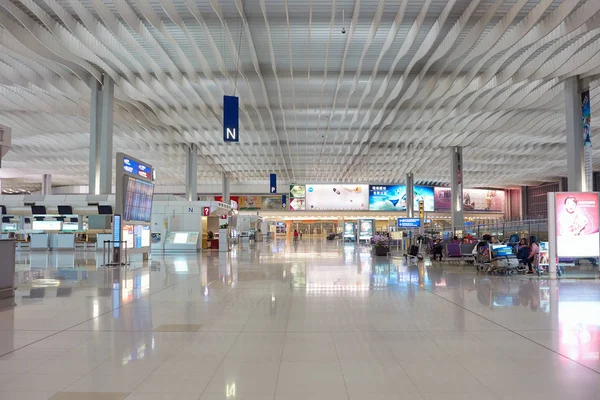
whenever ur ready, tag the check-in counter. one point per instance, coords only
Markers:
(7, 268)
(65, 241)
(39, 241)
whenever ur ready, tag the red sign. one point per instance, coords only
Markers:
(206, 211)
(223, 216)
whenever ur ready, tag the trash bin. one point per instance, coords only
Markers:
(7, 268)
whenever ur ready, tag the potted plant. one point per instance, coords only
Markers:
(381, 244)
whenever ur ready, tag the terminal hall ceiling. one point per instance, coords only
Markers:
(407, 80)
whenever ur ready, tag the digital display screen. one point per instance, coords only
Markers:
(349, 229)
(70, 227)
(117, 230)
(46, 225)
(393, 197)
(365, 229)
(128, 236)
(136, 168)
(337, 197)
(180, 238)
(145, 236)
(138, 200)
(577, 220)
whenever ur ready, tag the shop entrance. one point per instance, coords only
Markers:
(314, 228)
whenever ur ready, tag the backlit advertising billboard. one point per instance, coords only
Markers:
(393, 197)
(577, 221)
(473, 199)
(297, 198)
(337, 197)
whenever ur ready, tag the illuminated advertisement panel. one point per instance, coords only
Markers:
(393, 197)
(337, 197)
(577, 225)
(365, 229)
(473, 199)
(349, 229)
(297, 198)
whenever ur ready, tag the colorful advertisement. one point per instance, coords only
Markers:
(272, 203)
(544, 255)
(393, 197)
(473, 200)
(349, 230)
(365, 229)
(249, 202)
(297, 198)
(577, 225)
(337, 197)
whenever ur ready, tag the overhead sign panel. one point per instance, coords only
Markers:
(273, 184)
(409, 222)
(137, 168)
(231, 121)
(337, 197)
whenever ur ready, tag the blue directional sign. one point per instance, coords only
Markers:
(135, 168)
(231, 120)
(283, 201)
(273, 185)
(409, 222)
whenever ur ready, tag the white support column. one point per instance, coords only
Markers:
(410, 195)
(191, 173)
(456, 182)
(101, 136)
(225, 181)
(46, 184)
(574, 133)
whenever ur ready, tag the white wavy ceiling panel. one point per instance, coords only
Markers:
(407, 80)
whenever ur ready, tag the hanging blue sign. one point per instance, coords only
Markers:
(409, 222)
(283, 201)
(135, 168)
(273, 184)
(231, 121)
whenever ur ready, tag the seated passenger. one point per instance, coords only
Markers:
(523, 251)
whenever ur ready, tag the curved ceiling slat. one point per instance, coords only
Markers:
(405, 81)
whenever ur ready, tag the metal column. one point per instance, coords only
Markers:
(191, 173)
(101, 136)
(574, 133)
(456, 182)
(46, 184)
(410, 195)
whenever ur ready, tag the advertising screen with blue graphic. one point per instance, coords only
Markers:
(393, 197)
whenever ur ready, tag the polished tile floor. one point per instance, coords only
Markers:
(309, 320)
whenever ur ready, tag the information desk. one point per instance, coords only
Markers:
(183, 242)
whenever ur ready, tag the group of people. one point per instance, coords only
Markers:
(528, 253)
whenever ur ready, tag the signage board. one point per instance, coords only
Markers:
(136, 168)
(337, 197)
(206, 211)
(46, 225)
(231, 120)
(577, 219)
(473, 200)
(273, 183)
(393, 197)
(409, 222)
(271, 203)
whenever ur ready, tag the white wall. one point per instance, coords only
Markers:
(177, 215)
